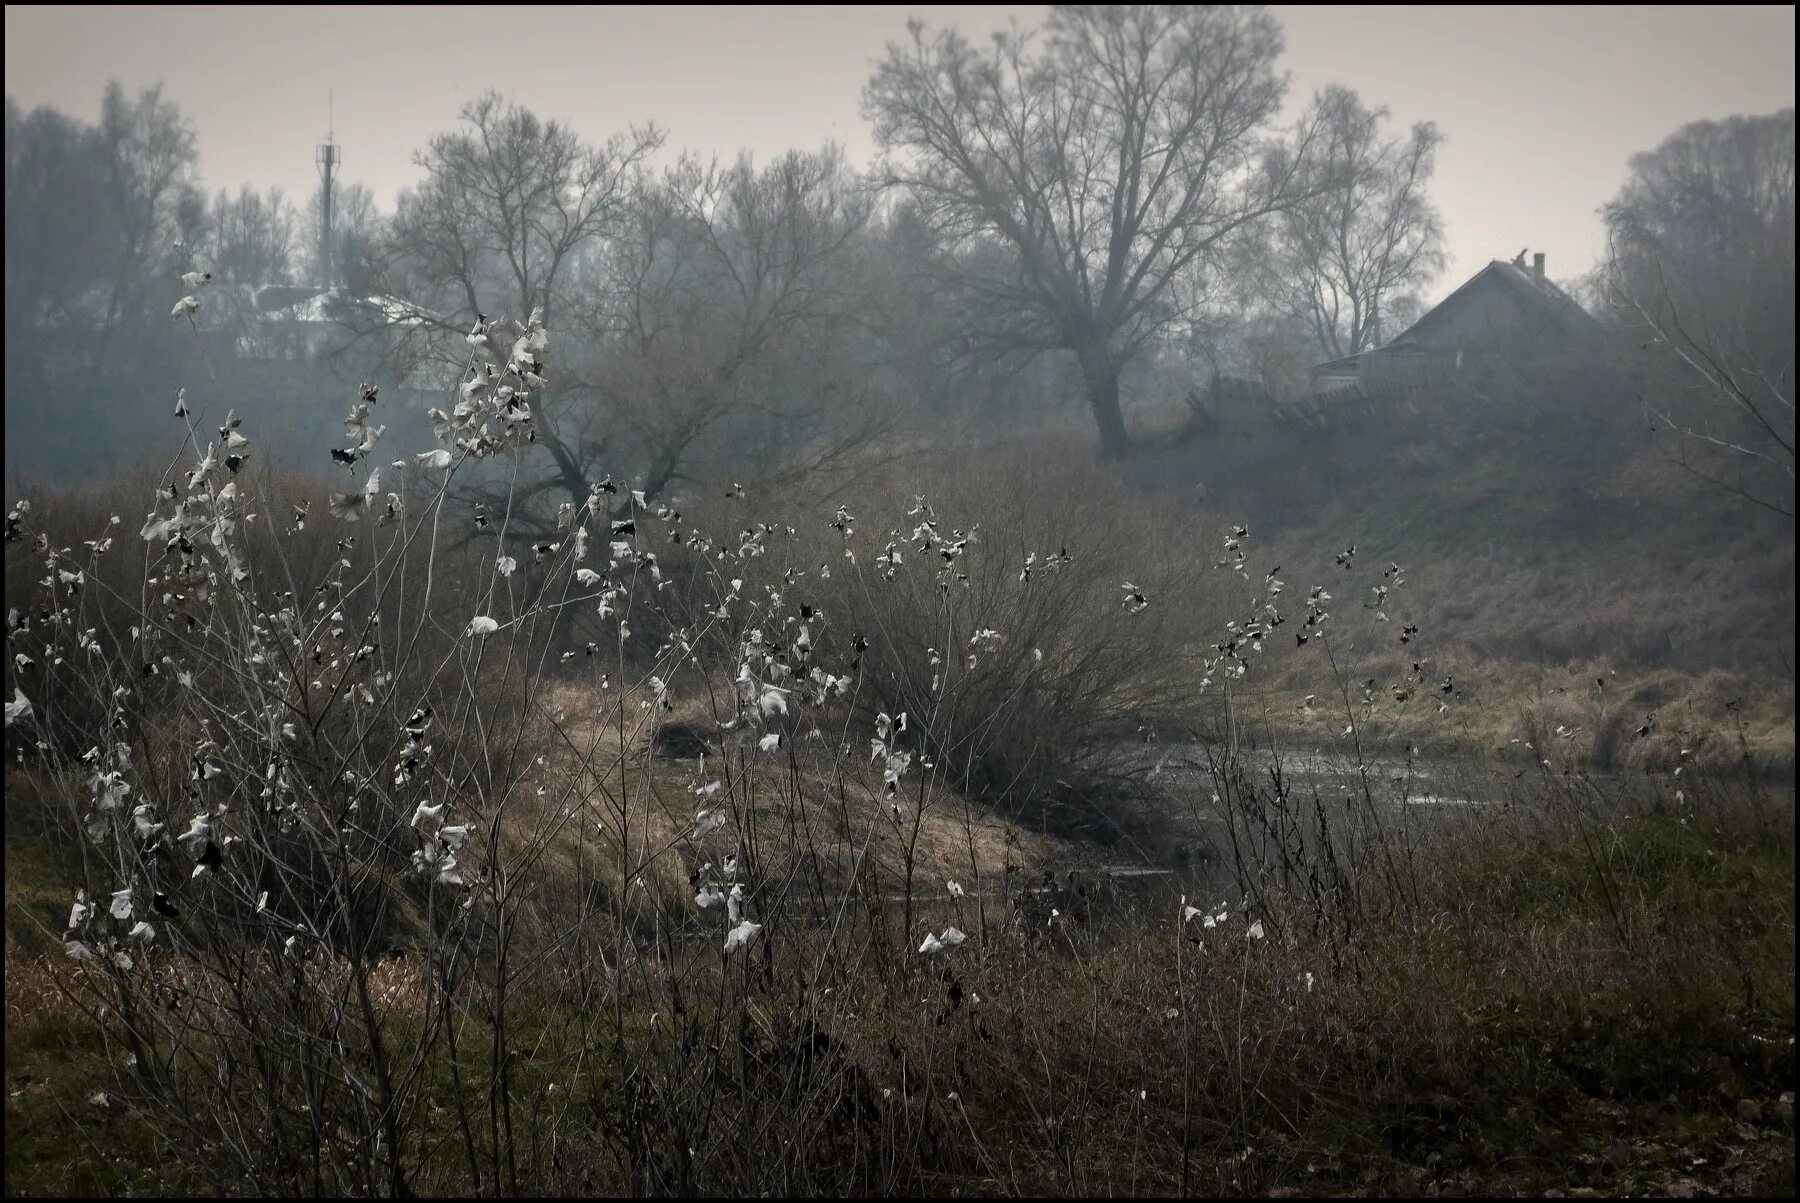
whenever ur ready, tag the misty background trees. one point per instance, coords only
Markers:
(726, 313)
(100, 220)
(1069, 224)
(1701, 277)
(1354, 254)
(1109, 169)
(249, 238)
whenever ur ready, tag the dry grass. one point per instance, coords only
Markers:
(1511, 709)
(842, 828)
(1602, 1003)
(1495, 1009)
(1547, 542)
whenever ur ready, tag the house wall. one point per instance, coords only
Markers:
(1382, 374)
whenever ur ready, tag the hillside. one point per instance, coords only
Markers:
(1561, 567)
(1546, 548)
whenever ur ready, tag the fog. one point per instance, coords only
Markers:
(1537, 114)
(262, 86)
(974, 599)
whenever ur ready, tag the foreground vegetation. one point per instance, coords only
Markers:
(370, 848)
(1602, 1003)
(1384, 790)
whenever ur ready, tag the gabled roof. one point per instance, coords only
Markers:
(1535, 294)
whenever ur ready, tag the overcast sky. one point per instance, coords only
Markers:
(1542, 106)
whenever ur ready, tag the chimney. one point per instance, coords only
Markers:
(1537, 267)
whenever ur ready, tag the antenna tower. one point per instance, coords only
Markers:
(328, 156)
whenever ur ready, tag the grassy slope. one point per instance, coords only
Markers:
(1538, 561)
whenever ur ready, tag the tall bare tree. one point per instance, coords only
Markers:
(152, 207)
(720, 275)
(249, 237)
(1701, 273)
(357, 226)
(508, 204)
(1339, 260)
(100, 221)
(1111, 164)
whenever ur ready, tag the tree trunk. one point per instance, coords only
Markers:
(1100, 372)
(568, 468)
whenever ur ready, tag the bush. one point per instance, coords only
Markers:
(991, 599)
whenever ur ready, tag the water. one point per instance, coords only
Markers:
(1395, 780)
(1431, 800)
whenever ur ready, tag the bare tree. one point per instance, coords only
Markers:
(55, 249)
(507, 205)
(249, 237)
(357, 226)
(1340, 259)
(100, 221)
(147, 157)
(1109, 166)
(1701, 274)
(720, 275)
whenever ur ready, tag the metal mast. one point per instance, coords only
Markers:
(328, 156)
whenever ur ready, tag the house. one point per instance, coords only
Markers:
(275, 323)
(290, 356)
(1505, 310)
